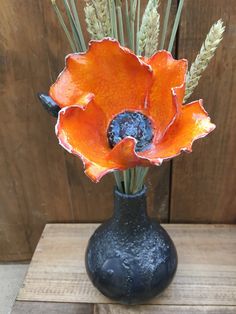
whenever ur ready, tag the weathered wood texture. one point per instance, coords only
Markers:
(53, 308)
(40, 182)
(161, 309)
(206, 273)
(33, 177)
(22, 307)
(203, 183)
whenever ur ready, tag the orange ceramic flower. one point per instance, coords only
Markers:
(119, 111)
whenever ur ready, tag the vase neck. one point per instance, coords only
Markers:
(130, 209)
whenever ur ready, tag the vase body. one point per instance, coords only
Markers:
(130, 258)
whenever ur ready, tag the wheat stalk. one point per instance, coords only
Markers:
(120, 23)
(165, 24)
(205, 55)
(94, 25)
(176, 25)
(78, 25)
(63, 25)
(150, 18)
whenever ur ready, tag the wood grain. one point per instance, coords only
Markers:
(34, 184)
(22, 307)
(40, 182)
(51, 308)
(162, 309)
(206, 273)
(203, 183)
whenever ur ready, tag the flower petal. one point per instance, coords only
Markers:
(95, 172)
(114, 75)
(121, 157)
(169, 74)
(192, 123)
(82, 131)
(125, 156)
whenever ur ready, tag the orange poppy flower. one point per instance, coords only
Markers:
(119, 111)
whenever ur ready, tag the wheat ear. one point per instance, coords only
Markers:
(152, 33)
(94, 26)
(149, 30)
(103, 14)
(205, 55)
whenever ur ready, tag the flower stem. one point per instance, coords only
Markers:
(78, 25)
(118, 179)
(133, 7)
(141, 173)
(132, 179)
(72, 25)
(176, 25)
(126, 174)
(121, 29)
(127, 17)
(63, 25)
(113, 18)
(138, 25)
(165, 25)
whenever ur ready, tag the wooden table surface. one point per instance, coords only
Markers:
(205, 281)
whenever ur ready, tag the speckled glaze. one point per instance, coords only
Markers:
(131, 258)
(49, 104)
(134, 124)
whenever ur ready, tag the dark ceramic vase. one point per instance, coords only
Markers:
(131, 258)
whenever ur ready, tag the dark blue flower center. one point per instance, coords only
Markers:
(133, 124)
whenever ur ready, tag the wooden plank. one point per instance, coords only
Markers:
(162, 309)
(34, 187)
(206, 273)
(158, 184)
(21, 307)
(40, 182)
(203, 183)
(52, 308)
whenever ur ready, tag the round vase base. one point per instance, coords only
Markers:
(130, 262)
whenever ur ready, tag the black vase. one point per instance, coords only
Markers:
(131, 258)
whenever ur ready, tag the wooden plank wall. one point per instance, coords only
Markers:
(40, 182)
(204, 183)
